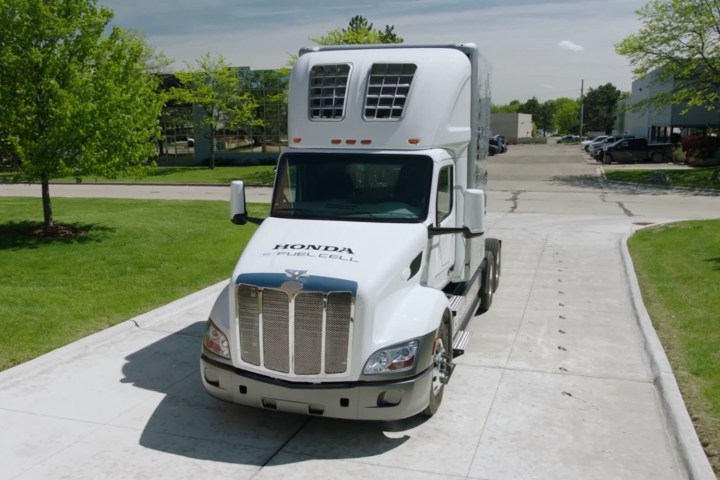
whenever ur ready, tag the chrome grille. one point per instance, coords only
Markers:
(336, 332)
(275, 318)
(249, 323)
(307, 333)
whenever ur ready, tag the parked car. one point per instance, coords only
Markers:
(585, 144)
(493, 147)
(633, 150)
(569, 139)
(501, 142)
(596, 149)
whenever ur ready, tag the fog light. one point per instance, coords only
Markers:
(389, 398)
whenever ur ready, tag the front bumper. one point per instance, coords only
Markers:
(356, 400)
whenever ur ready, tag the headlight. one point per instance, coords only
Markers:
(393, 359)
(216, 341)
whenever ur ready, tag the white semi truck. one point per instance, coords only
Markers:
(351, 298)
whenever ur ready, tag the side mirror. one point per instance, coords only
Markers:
(238, 210)
(475, 211)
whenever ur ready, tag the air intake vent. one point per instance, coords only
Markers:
(388, 89)
(328, 90)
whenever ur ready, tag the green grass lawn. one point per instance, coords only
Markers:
(251, 175)
(708, 177)
(678, 267)
(136, 255)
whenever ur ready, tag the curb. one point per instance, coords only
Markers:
(693, 461)
(91, 342)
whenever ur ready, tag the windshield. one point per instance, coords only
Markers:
(354, 187)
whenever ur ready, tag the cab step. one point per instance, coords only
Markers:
(461, 338)
(457, 303)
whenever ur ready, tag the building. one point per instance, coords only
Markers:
(658, 124)
(511, 125)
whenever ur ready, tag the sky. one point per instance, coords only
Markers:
(543, 49)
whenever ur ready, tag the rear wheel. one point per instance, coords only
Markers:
(657, 157)
(442, 356)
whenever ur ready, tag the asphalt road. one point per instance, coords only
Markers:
(563, 378)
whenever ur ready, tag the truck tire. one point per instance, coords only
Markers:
(495, 246)
(442, 352)
(657, 157)
(607, 159)
(486, 288)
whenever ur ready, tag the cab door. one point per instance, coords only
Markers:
(623, 153)
(442, 247)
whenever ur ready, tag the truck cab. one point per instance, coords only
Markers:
(351, 298)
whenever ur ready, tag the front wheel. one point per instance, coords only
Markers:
(494, 246)
(657, 157)
(486, 288)
(442, 357)
(607, 159)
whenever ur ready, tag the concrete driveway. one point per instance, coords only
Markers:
(563, 378)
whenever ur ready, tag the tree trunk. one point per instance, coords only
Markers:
(47, 205)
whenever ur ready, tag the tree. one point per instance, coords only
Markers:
(530, 107)
(567, 115)
(544, 116)
(542, 113)
(601, 108)
(359, 32)
(75, 101)
(216, 89)
(680, 40)
(511, 107)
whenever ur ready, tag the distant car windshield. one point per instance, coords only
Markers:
(353, 187)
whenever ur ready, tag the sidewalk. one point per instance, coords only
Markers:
(563, 378)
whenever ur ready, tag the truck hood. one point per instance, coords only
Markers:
(371, 254)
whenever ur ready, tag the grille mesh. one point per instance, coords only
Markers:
(308, 333)
(275, 324)
(249, 323)
(328, 91)
(336, 332)
(387, 91)
(318, 324)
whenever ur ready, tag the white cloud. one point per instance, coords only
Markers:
(568, 45)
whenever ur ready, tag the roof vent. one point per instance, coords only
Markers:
(387, 90)
(328, 90)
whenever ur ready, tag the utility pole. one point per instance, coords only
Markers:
(582, 107)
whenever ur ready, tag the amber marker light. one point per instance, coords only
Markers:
(366, 141)
(336, 141)
(413, 141)
(351, 141)
(297, 139)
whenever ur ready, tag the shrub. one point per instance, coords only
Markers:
(701, 150)
(679, 156)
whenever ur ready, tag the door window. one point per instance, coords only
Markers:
(444, 194)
